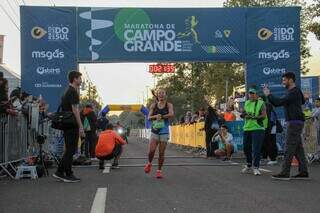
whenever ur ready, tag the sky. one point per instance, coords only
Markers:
(117, 83)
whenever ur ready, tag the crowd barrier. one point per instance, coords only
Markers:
(193, 135)
(18, 138)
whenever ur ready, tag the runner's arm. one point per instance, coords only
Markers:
(151, 116)
(171, 113)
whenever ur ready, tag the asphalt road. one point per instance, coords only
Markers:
(190, 184)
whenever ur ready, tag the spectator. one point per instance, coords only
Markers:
(181, 121)
(237, 114)
(202, 114)
(307, 108)
(89, 120)
(224, 139)
(102, 121)
(195, 118)
(316, 119)
(254, 127)
(269, 146)
(211, 126)
(109, 147)
(292, 102)
(188, 118)
(3, 94)
(70, 103)
(228, 115)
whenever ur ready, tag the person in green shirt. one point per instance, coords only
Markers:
(254, 130)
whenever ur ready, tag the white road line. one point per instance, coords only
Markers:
(106, 168)
(99, 203)
(265, 170)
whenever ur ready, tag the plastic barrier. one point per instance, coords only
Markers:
(193, 135)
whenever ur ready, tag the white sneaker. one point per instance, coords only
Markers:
(272, 163)
(246, 170)
(256, 172)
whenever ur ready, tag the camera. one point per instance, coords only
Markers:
(41, 139)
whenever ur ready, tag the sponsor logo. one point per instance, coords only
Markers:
(264, 34)
(218, 34)
(273, 71)
(283, 34)
(47, 85)
(55, 33)
(48, 71)
(279, 34)
(38, 32)
(49, 55)
(58, 33)
(227, 33)
(282, 54)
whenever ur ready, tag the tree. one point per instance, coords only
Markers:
(305, 19)
(187, 88)
(91, 96)
(314, 10)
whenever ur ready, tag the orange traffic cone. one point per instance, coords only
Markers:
(294, 161)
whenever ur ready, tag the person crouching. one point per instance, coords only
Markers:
(109, 147)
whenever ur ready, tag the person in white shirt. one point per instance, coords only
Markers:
(224, 140)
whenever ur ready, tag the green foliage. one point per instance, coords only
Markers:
(192, 82)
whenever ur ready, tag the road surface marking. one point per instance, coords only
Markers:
(99, 203)
(265, 170)
(106, 168)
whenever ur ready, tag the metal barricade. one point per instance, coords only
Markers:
(310, 136)
(16, 141)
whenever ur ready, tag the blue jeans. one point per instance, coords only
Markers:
(252, 143)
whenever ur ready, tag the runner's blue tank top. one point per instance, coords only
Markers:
(164, 111)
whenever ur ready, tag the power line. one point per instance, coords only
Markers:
(12, 9)
(13, 22)
(23, 2)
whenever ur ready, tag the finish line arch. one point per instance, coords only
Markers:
(54, 40)
(132, 108)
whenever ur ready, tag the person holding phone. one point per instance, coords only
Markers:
(224, 140)
(292, 102)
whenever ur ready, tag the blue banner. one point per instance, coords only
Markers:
(162, 34)
(55, 39)
(273, 46)
(48, 51)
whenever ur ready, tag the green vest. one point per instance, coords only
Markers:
(254, 108)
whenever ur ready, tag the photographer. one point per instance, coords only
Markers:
(255, 117)
(224, 139)
(109, 147)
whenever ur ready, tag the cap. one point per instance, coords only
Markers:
(253, 90)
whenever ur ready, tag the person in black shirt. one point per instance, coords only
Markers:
(292, 102)
(70, 102)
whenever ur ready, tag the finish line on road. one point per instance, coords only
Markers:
(171, 164)
(99, 203)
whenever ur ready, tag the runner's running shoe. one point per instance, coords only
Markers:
(147, 168)
(159, 174)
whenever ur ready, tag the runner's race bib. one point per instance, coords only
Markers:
(158, 124)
